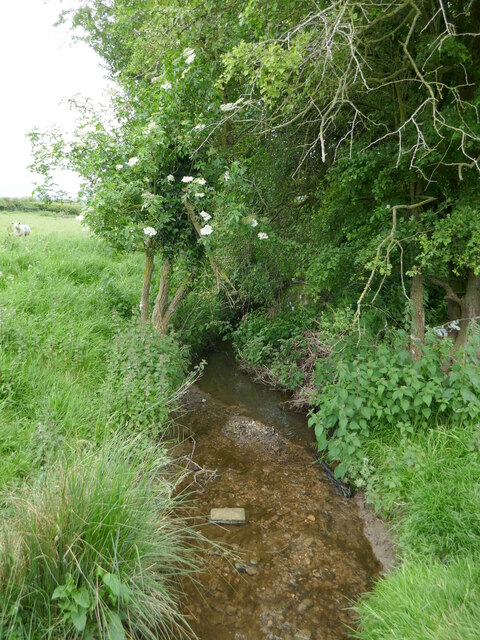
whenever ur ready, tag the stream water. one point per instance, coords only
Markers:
(302, 556)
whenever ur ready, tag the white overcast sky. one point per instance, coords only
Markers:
(39, 66)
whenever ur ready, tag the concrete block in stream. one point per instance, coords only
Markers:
(227, 516)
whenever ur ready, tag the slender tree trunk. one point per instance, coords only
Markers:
(165, 309)
(417, 295)
(161, 301)
(417, 298)
(147, 280)
(469, 308)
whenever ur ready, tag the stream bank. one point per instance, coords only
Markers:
(302, 557)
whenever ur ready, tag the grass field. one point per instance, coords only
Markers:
(64, 297)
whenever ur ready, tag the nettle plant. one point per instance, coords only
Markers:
(365, 390)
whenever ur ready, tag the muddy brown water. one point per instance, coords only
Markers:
(302, 557)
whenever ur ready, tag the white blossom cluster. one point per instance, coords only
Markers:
(150, 232)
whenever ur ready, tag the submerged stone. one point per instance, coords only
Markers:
(228, 516)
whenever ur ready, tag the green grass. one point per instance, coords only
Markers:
(91, 546)
(429, 485)
(96, 547)
(65, 300)
(424, 599)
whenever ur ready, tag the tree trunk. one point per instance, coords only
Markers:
(164, 310)
(417, 294)
(469, 304)
(147, 280)
(469, 308)
(161, 301)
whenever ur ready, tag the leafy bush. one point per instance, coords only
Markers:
(366, 390)
(145, 371)
(95, 549)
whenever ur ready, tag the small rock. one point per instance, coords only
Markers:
(311, 518)
(305, 605)
(254, 560)
(227, 516)
(304, 634)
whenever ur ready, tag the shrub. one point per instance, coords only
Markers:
(95, 549)
(145, 371)
(365, 390)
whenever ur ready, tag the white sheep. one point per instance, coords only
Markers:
(20, 229)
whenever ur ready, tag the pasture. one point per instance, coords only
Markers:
(63, 297)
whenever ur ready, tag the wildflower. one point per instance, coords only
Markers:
(262, 236)
(133, 161)
(187, 179)
(170, 178)
(206, 216)
(118, 167)
(226, 176)
(200, 194)
(254, 223)
(206, 230)
(79, 218)
(189, 55)
(150, 232)
(200, 127)
(200, 181)
(166, 85)
(155, 79)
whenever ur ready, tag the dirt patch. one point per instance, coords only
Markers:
(301, 558)
(378, 533)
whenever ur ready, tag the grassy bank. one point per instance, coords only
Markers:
(77, 382)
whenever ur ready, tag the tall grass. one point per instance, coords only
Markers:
(65, 300)
(96, 547)
(424, 599)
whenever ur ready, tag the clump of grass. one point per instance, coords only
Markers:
(424, 600)
(96, 549)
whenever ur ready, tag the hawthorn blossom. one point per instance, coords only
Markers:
(118, 167)
(187, 179)
(254, 223)
(79, 218)
(200, 181)
(150, 232)
(206, 230)
(200, 194)
(262, 236)
(200, 127)
(133, 161)
(206, 216)
(170, 178)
